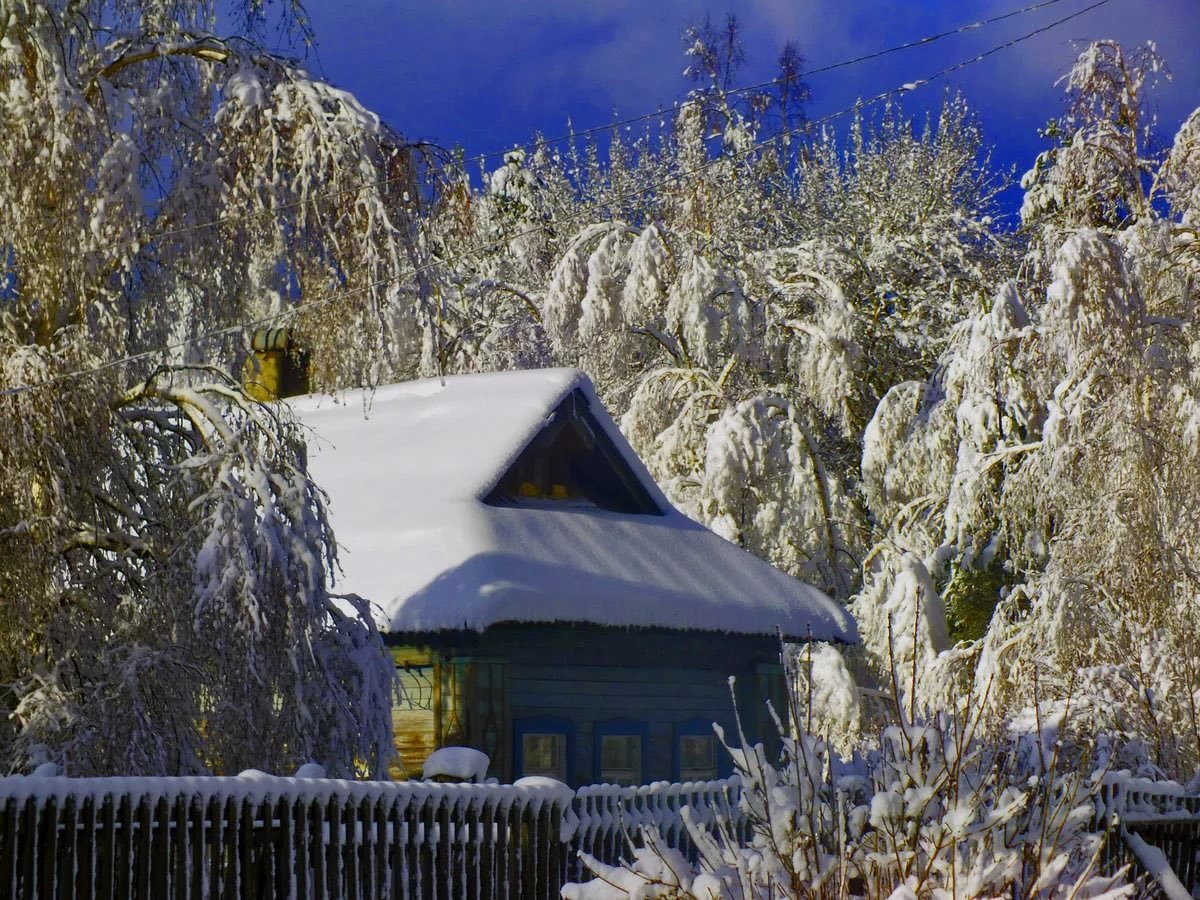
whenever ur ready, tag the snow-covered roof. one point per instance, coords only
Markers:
(408, 467)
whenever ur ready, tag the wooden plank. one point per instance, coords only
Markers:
(502, 872)
(8, 848)
(403, 860)
(245, 838)
(333, 850)
(65, 886)
(350, 850)
(527, 852)
(470, 844)
(231, 850)
(48, 841)
(689, 681)
(301, 834)
(365, 847)
(145, 834)
(179, 846)
(284, 847)
(263, 830)
(28, 848)
(160, 872)
(214, 815)
(317, 830)
(518, 859)
(425, 852)
(397, 847)
(106, 850)
(486, 856)
(412, 655)
(618, 705)
(197, 860)
(379, 846)
(444, 864)
(556, 857)
(85, 879)
(619, 647)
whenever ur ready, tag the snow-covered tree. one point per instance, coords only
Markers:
(746, 343)
(1043, 474)
(166, 559)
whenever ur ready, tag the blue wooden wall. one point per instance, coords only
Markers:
(624, 680)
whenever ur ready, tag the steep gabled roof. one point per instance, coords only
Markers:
(440, 525)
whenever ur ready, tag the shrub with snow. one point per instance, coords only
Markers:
(932, 811)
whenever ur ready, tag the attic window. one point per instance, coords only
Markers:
(573, 463)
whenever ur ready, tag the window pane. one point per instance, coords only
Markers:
(697, 757)
(621, 759)
(544, 754)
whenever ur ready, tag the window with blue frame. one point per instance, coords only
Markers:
(696, 752)
(621, 752)
(544, 745)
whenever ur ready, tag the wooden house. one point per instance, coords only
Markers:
(544, 601)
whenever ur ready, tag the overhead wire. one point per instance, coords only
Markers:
(478, 249)
(246, 214)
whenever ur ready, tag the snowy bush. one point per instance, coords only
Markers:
(932, 811)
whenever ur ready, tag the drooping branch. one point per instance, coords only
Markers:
(206, 49)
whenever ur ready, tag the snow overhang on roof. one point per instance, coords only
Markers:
(409, 467)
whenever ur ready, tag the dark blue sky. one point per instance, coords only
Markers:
(486, 74)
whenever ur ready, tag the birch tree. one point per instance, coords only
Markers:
(166, 560)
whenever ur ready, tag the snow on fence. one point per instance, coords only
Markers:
(609, 816)
(261, 836)
(257, 835)
(1155, 830)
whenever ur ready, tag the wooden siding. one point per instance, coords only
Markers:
(448, 701)
(588, 675)
(658, 697)
(416, 709)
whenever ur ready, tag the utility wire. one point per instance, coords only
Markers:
(506, 239)
(245, 215)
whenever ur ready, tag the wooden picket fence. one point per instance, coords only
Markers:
(1166, 817)
(279, 837)
(609, 817)
(257, 836)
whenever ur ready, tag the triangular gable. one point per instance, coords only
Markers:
(571, 461)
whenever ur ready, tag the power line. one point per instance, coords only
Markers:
(506, 239)
(245, 216)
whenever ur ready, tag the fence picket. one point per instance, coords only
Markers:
(245, 838)
(348, 858)
(106, 849)
(333, 851)
(85, 876)
(379, 846)
(29, 849)
(8, 848)
(397, 857)
(65, 885)
(301, 837)
(317, 823)
(196, 860)
(232, 853)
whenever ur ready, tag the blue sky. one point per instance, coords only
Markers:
(486, 75)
